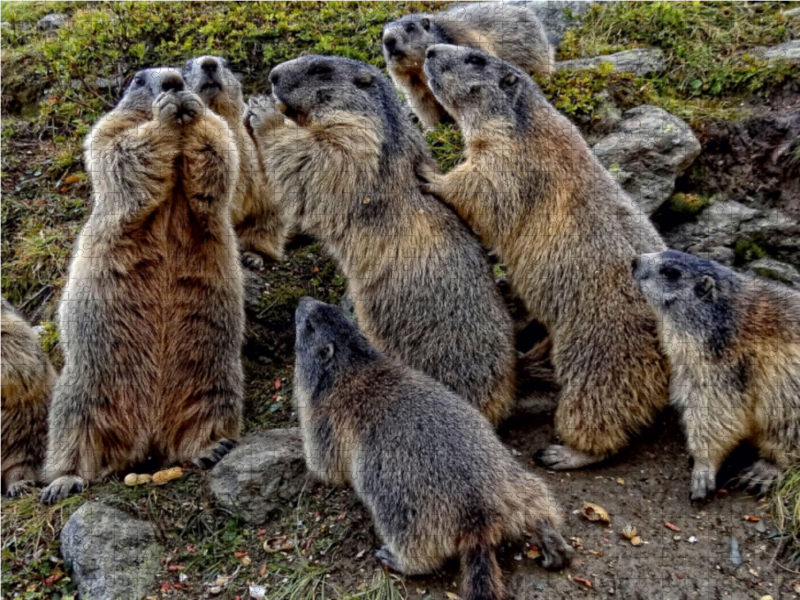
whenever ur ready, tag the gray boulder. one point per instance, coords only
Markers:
(264, 474)
(717, 231)
(557, 15)
(113, 556)
(52, 22)
(776, 270)
(646, 153)
(639, 62)
(786, 52)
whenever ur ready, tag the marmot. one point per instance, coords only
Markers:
(345, 164)
(27, 383)
(436, 478)
(255, 213)
(510, 32)
(567, 233)
(152, 316)
(733, 343)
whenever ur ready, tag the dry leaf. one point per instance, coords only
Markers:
(452, 596)
(752, 518)
(163, 477)
(669, 525)
(584, 581)
(240, 554)
(595, 512)
(534, 552)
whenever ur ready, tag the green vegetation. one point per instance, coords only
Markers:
(785, 510)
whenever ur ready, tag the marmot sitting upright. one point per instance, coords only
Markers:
(437, 480)
(25, 387)
(733, 342)
(567, 232)
(510, 32)
(152, 316)
(345, 166)
(254, 211)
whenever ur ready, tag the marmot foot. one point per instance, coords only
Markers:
(61, 488)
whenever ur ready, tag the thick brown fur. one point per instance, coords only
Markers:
(435, 476)
(421, 283)
(510, 32)
(27, 384)
(734, 346)
(152, 316)
(254, 210)
(567, 233)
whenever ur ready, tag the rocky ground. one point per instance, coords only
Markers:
(694, 108)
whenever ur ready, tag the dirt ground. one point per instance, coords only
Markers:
(646, 486)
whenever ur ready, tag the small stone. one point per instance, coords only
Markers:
(640, 62)
(52, 22)
(692, 539)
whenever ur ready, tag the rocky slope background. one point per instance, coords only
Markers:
(694, 107)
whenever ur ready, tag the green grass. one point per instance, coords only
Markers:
(785, 512)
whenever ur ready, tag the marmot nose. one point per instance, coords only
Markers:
(172, 83)
(635, 264)
(390, 43)
(209, 65)
(430, 54)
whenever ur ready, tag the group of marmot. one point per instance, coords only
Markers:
(188, 181)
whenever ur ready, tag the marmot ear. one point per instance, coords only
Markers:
(364, 79)
(426, 23)
(326, 354)
(509, 80)
(706, 288)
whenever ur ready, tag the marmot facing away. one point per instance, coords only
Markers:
(152, 316)
(733, 342)
(567, 232)
(437, 480)
(512, 33)
(27, 383)
(254, 211)
(345, 164)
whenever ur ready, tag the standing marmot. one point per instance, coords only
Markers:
(27, 383)
(512, 33)
(567, 232)
(152, 316)
(437, 480)
(345, 165)
(733, 343)
(255, 214)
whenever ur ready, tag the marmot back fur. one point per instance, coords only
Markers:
(567, 232)
(254, 211)
(27, 384)
(733, 342)
(510, 32)
(152, 316)
(437, 480)
(345, 164)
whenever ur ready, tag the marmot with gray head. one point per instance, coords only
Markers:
(436, 478)
(345, 163)
(27, 384)
(152, 316)
(254, 211)
(733, 342)
(567, 233)
(510, 32)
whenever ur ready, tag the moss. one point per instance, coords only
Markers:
(748, 250)
(770, 274)
(688, 204)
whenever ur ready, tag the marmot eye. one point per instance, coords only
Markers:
(475, 59)
(138, 80)
(319, 70)
(410, 27)
(670, 273)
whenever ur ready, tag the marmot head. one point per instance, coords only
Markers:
(405, 40)
(693, 293)
(326, 344)
(308, 89)
(475, 87)
(210, 78)
(146, 85)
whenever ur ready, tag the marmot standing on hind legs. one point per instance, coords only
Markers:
(254, 211)
(512, 33)
(26, 386)
(152, 316)
(345, 164)
(733, 342)
(437, 480)
(567, 233)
